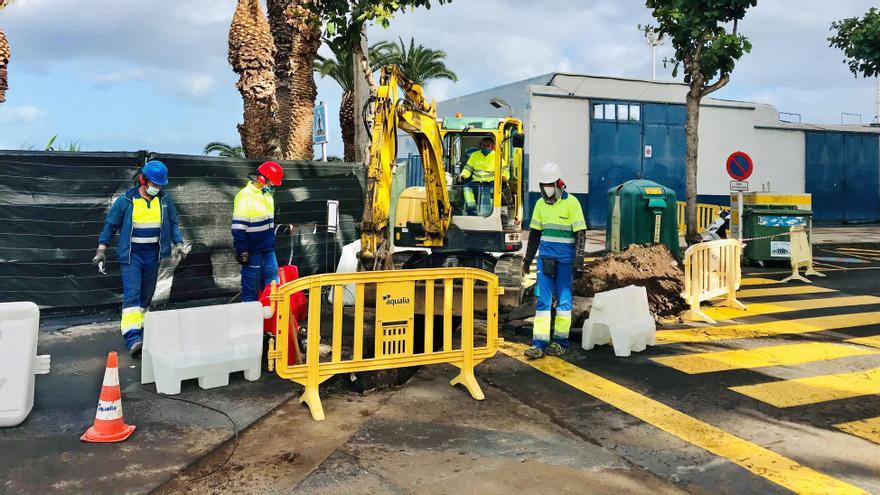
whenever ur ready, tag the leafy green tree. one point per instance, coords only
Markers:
(859, 39)
(224, 149)
(340, 69)
(346, 22)
(706, 52)
(418, 63)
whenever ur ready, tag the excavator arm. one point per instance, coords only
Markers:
(418, 118)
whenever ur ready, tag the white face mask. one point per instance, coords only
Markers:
(549, 191)
(152, 191)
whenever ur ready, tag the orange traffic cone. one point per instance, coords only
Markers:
(109, 425)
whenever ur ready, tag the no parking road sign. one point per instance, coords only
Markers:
(740, 166)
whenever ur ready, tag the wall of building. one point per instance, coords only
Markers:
(778, 154)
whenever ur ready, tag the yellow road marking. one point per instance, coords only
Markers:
(815, 389)
(767, 329)
(869, 429)
(758, 460)
(869, 341)
(783, 291)
(758, 281)
(858, 250)
(778, 355)
(755, 309)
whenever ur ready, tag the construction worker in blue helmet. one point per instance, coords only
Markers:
(253, 230)
(146, 219)
(557, 234)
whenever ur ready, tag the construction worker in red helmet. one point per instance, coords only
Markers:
(253, 230)
(149, 231)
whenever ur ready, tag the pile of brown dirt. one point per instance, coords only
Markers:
(649, 266)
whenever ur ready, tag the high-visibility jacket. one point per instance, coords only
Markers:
(558, 223)
(481, 168)
(122, 218)
(253, 220)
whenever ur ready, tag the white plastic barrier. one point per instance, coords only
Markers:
(206, 343)
(348, 263)
(19, 327)
(621, 316)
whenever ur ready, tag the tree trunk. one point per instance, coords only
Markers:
(692, 142)
(4, 61)
(251, 55)
(363, 83)
(297, 34)
(347, 123)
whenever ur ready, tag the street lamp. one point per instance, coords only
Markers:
(654, 41)
(498, 103)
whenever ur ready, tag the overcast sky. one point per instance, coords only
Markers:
(129, 75)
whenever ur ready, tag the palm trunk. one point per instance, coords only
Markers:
(347, 123)
(251, 55)
(297, 34)
(692, 142)
(4, 62)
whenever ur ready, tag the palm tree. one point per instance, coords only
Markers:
(4, 58)
(297, 34)
(418, 63)
(340, 69)
(223, 149)
(251, 55)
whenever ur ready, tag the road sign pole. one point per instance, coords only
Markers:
(323, 152)
(739, 211)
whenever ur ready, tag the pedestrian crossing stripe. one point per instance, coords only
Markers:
(783, 291)
(814, 389)
(768, 329)
(758, 281)
(869, 429)
(868, 341)
(758, 460)
(859, 250)
(756, 309)
(780, 355)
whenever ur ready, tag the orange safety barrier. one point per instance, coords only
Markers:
(712, 269)
(394, 297)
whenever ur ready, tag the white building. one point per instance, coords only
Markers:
(604, 131)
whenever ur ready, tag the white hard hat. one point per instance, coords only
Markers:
(549, 173)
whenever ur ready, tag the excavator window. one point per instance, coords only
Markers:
(468, 195)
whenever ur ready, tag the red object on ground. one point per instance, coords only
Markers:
(109, 425)
(298, 308)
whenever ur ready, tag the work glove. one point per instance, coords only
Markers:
(180, 251)
(242, 257)
(100, 260)
(527, 267)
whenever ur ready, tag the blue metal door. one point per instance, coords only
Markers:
(615, 156)
(843, 176)
(861, 177)
(619, 132)
(664, 132)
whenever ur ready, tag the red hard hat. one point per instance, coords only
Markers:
(271, 171)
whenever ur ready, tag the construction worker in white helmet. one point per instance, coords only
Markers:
(558, 235)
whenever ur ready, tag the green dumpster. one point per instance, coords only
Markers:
(763, 221)
(641, 212)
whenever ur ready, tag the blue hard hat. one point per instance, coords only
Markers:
(156, 172)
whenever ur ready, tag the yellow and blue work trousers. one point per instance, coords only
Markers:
(485, 192)
(548, 288)
(138, 285)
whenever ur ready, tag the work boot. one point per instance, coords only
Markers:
(135, 351)
(534, 352)
(555, 349)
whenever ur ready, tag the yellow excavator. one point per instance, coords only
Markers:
(440, 217)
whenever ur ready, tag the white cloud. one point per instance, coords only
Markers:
(24, 114)
(117, 77)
